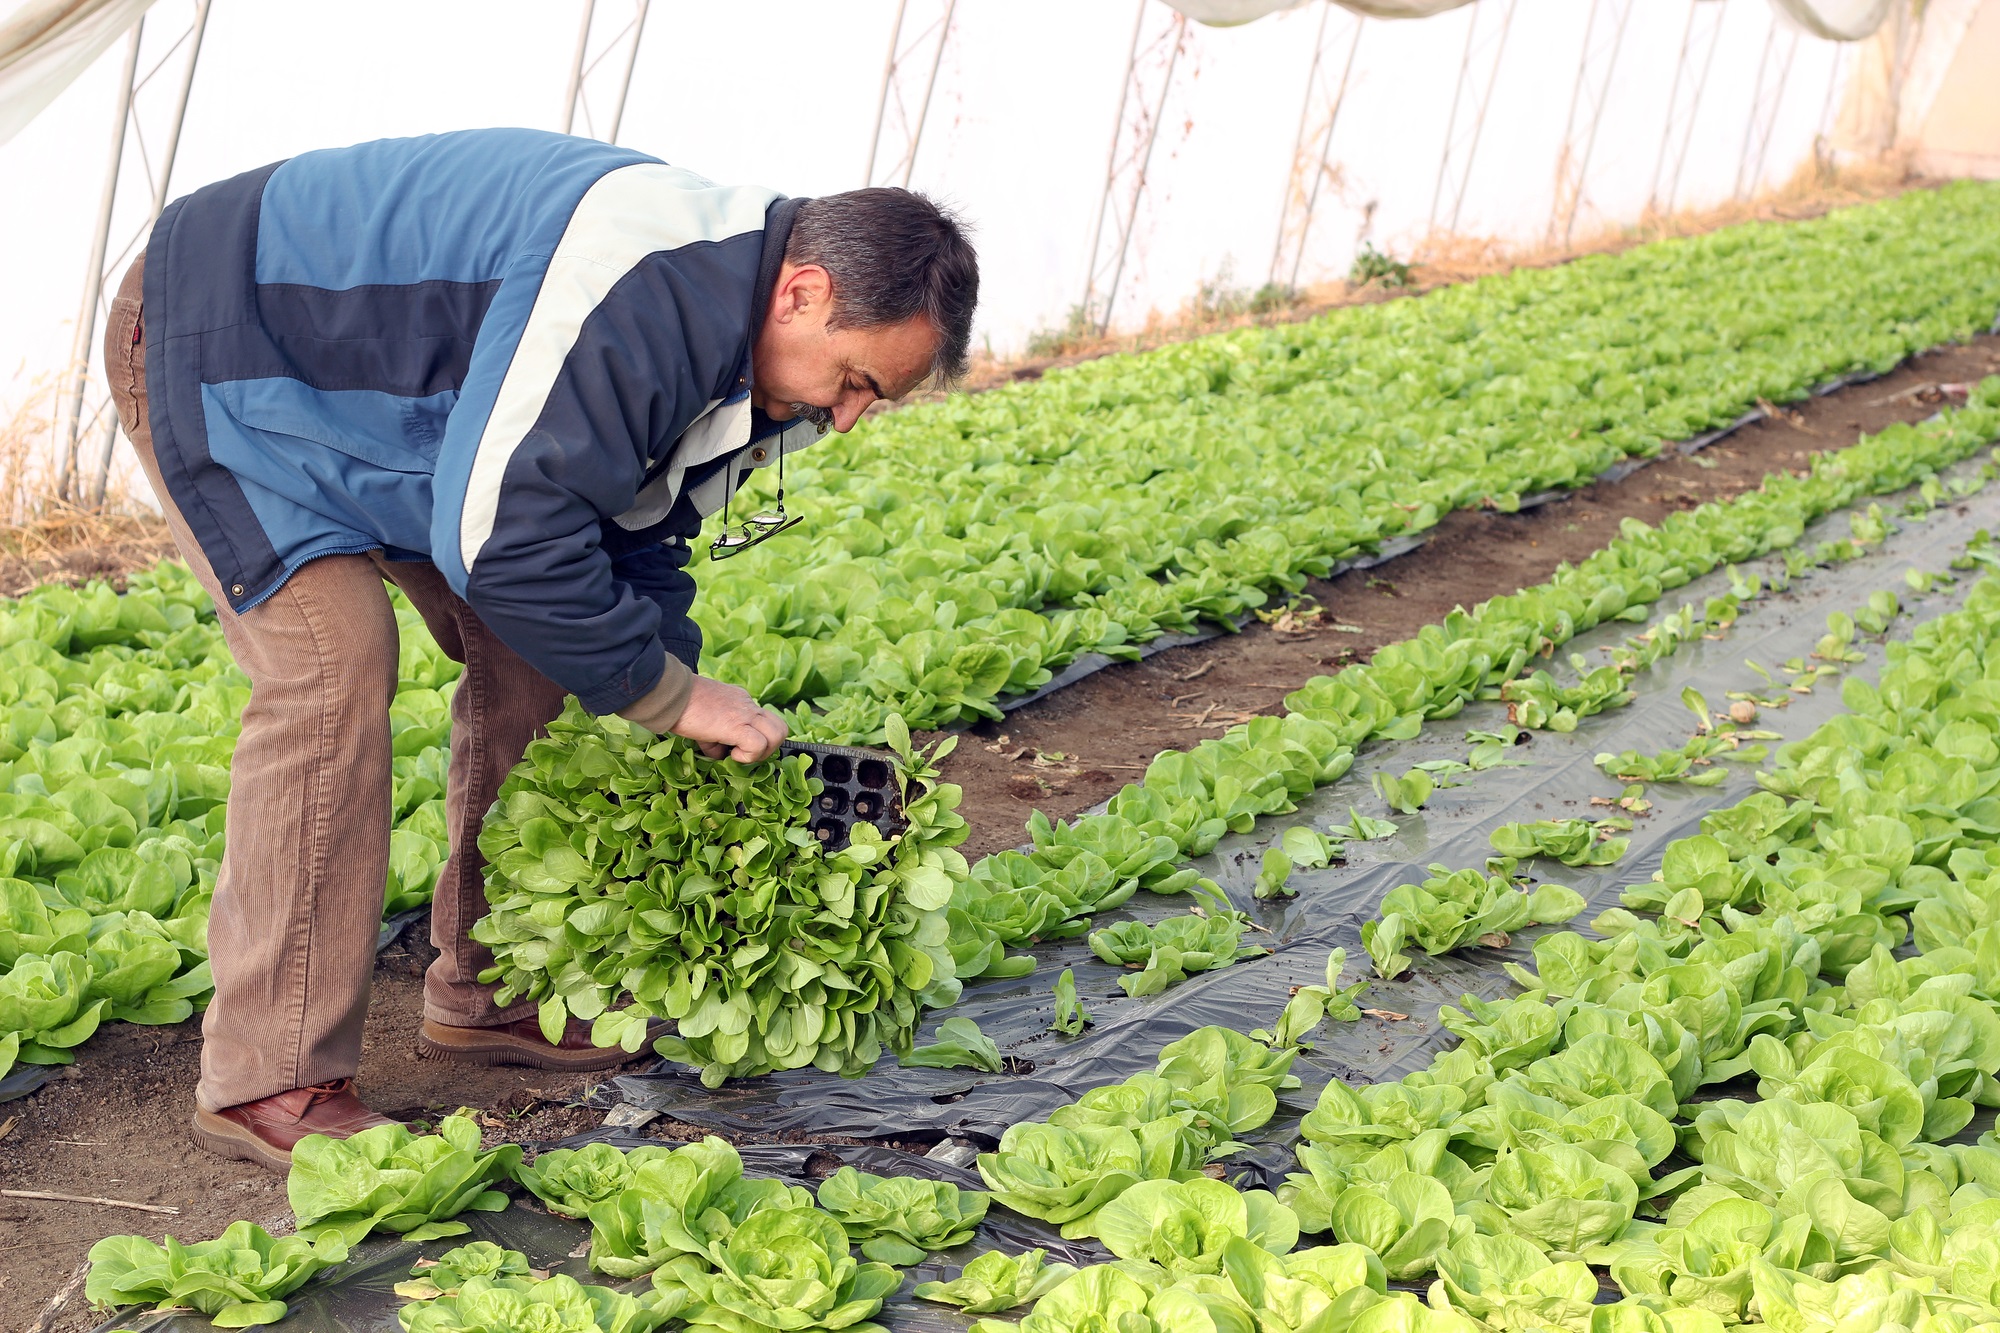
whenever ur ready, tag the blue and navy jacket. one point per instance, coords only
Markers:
(522, 356)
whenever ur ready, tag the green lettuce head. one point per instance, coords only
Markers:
(388, 1179)
(993, 1282)
(559, 1304)
(1065, 1175)
(1182, 1226)
(238, 1279)
(900, 1219)
(783, 1269)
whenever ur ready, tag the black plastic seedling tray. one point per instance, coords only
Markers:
(857, 785)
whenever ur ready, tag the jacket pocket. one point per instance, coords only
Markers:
(385, 430)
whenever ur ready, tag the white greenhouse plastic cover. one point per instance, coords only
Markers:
(1229, 13)
(45, 44)
(1836, 20)
(1401, 9)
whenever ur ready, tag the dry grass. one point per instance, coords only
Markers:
(1442, 260)
(44, 537)
(1814, 189)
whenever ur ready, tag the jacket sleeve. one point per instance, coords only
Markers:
(582, 384)
(659, 574)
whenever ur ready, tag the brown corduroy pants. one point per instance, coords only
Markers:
(292, 936)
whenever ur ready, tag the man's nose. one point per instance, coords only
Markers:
(847, 412)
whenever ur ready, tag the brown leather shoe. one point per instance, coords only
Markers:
(521, 1043)
(264, 1131)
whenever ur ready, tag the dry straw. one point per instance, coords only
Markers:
(44, 537)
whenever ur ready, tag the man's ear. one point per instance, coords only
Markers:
(802, 290)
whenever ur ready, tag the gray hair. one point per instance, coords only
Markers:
(894, 255)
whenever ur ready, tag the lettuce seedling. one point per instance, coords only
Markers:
(1310, 1006)
(1065, 1176)
(1310, 849)
(1167, 951)
(1574, 842)
(1557, 1196)
(1407, 794)
(1275, 872)
(46, 1009)
(444, 1275)
(1405, 1219)
(960, 1045)
(1510, 1283)
(1384, 940)
(29, 926)
(1071, 1017)
(1361, 828)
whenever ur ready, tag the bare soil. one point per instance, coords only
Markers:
(115, 1124)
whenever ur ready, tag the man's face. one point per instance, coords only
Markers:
(799, 361)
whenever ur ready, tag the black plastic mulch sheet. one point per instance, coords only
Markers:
(1556, 780)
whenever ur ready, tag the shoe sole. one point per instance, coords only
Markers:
(226, 1138)
(472, 1046)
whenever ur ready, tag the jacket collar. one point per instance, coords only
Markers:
(778, 219)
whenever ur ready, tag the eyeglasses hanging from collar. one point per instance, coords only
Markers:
(758, 527)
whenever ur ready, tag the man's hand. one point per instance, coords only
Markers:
(725, 720)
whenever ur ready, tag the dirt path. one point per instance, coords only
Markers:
(115, 1126)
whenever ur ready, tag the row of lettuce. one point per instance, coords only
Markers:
(962, 552)
(121, 714)
(118, 718)
(1576, 1127)
(1584, 1124)
(628, 871)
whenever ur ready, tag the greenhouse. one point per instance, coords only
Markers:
(1410, 747)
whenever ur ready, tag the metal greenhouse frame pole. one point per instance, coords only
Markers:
(1478, 71)
(1822, 152)
(88, 412)
(916, 60)
(587, 71)
(1766, 100)
(1126, 174)
(1594, 72)
(1309, 171)
(1697, 57)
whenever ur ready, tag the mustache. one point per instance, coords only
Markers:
(819, 416)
